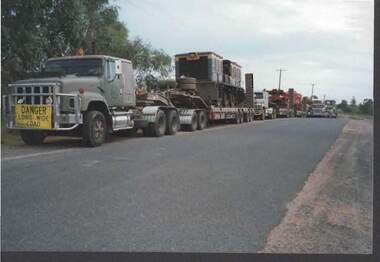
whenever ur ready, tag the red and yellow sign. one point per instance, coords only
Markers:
(34, 116)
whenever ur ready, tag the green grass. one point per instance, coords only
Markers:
(9, 137)
(357, 116)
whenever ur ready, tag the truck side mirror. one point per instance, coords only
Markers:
(118, 69)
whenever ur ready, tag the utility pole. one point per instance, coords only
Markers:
(279, 79)
(312, 90)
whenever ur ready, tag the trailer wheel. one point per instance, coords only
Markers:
(194, 122)
(157, 128)
(172, 122)
(202, 120)
(94, 128)
(250, 116)
(32, 137)
(237, 118)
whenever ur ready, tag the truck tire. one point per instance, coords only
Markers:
(94, 128)
(236, 119)
(172, 122)
(194, 122)
(157, 128)
(202, 120)
(32, 137)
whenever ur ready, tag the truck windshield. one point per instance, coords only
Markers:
(258, 95)
(79, 67)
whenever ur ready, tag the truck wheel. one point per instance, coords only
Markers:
(94, 128)
(172, 123)
(32, 137)
(194, 122)
(202, 120)
(237, 118)
(159, 127)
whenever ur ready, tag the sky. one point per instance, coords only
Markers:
(326, 42)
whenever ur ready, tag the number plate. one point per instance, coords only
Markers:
(34, 116)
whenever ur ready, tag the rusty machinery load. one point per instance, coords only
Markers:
(286, 104)
(206, 89)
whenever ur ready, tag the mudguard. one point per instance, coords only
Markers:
(185, 116)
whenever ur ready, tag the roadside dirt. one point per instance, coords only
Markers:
(333, 211)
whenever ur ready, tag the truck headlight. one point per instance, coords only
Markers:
(49, 100)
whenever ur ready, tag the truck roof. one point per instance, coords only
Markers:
(88, 57)
(199, 53)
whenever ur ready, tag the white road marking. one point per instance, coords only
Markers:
(34, 155)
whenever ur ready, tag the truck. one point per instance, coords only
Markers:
(93, 96)
(262, 107)
(331, 108)
(286, 104)
(317, 109)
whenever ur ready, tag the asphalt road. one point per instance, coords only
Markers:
(217, 190)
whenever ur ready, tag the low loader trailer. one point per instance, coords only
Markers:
(96, 95)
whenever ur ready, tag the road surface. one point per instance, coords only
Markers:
(218, 190)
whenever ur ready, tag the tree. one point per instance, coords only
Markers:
(343, 106)
(150, 64)
(33, 31)
(366, 107)
(353, 106)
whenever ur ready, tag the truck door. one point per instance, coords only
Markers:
(114, 86)
(129, 95)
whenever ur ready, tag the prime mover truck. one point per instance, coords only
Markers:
(95, 95)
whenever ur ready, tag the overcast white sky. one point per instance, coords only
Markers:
(329, 42)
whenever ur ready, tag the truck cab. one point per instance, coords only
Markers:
(95, 93)
(262, 104)
(317, 109)
(331, 108)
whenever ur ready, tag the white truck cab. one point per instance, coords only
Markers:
(262, 102)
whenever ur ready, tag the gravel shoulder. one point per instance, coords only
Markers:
(333, 212)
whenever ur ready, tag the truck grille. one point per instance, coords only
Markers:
(32, 94)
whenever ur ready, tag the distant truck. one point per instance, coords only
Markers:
(286, 104)
(262, 107)
(95, 95)
(317, 109)
(331, 108)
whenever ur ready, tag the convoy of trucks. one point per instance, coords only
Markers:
(96, 95)
(319, 108)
